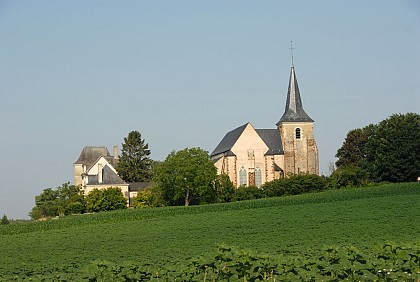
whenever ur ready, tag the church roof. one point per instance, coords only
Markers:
(229, 140)
(271, 138)
(294, 111)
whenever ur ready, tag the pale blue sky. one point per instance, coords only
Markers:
(184, 73)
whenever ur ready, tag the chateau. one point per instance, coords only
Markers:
(252, 156)
(95, 169)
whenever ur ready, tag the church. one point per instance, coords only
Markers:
(251, 157)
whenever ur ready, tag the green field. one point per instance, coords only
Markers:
(366, 218)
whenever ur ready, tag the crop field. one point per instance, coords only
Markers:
(306, 225)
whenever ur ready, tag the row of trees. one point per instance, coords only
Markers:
(69, 199)
(221, 190)
(387, 151)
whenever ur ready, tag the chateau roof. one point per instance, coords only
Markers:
(294, 111)
(91, 154)
(109, 177)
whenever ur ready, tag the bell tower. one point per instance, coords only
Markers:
(297, 133)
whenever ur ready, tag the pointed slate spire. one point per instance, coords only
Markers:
(294, 111)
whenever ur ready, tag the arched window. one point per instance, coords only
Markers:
(242, 176)
(258, 177)
(298, 132)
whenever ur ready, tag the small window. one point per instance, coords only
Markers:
(297, 131)
(242, 176)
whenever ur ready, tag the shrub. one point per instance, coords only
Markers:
(224, 188)
(349, 176)
(105, 200)
(144, 199)
(4, 220)
(247, 193)
(296, 184)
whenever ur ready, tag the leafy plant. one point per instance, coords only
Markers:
(4, 220)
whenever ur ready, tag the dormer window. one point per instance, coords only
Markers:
(297, 133)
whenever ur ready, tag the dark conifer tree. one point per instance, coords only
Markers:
(134, 164)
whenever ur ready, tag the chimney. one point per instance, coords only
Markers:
(115, 152)
(99, 173)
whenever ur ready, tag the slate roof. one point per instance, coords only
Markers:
(294, 111)
(109, 177)
(277, 168)
(91, 154)
(229, 140)
(271, 138)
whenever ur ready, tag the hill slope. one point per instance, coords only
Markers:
(364, 218)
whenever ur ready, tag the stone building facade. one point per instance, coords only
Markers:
(95, 169)
(252, 156)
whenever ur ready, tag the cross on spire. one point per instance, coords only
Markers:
(291, 50)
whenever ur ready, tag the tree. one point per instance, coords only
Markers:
(46, 204)
(134, 164)
(353, 150)
(71, 199)
(4, 220)
(393, 152)
(105, 200)
(348, 176)
(144, 199)
(187, 177)
(64, 200)
(224, 188)
(388, 151)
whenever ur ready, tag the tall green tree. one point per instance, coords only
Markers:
(388, 151)
(393, 152)
(353, 151)
(134, 164)
(187, 177)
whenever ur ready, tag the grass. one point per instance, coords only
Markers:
(364, 217)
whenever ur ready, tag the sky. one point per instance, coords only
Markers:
(184, 73)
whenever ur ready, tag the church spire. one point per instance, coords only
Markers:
(294, 111)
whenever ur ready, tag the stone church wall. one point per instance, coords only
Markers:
(300, 154)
